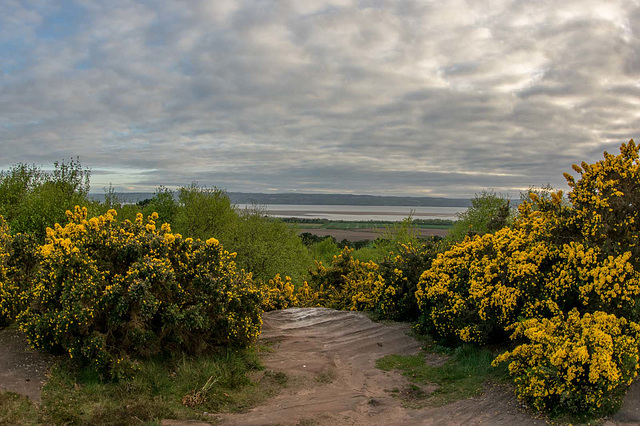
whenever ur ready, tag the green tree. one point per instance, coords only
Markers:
(489, 212)
(32, 199)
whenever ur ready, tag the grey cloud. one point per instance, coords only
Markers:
(440, 98)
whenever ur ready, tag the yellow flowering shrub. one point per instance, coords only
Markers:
(480, 286)
(398, 276)
(346, 284)
(587, 279)
(18, 261)
(279, 294)
(606, 202)
(107, 293)
(582, 364)
(307, 297)
(7, 288)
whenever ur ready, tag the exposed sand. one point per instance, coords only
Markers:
(330, 358)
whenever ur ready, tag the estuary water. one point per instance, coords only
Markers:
(355, 213)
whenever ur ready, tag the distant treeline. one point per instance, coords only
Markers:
(315, 199)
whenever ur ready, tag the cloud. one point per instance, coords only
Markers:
(372, 97)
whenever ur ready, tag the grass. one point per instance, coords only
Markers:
(17, 410)
(183, 389)
(462, 376)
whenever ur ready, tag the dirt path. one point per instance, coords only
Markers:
(330, 359)
(22, 370)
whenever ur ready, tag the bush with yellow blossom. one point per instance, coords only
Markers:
(346, 284)
(398, 276)
(7, 288)
(480, 286)
(606, 202)
(574, 363)
(108, 293)
(18, 261)
(578, 257)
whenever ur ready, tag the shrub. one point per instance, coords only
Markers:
(18, 265)
(32, 199)
(399, 273)
(606, 202)
(108, 293)
(264, 246)
(480, 286)
(324, 249)
(489, 212)
(278, 294)
(585, 278)
(7, 288)
(267, 247)
(573, 363)
(346, 284)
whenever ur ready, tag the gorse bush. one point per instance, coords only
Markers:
(482, 285)
(18, 262)
(346, 284)
(7, 289)
(580, 364)
(398, 276)
(606, 202)
(109, 293)
(577, 257)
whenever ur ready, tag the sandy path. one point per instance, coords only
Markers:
(330, 359)
(22, 370)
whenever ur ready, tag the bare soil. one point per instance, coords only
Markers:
(22, 370)
(329, 357)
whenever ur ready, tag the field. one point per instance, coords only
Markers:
(368, 230)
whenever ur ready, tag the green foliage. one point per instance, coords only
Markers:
(489, 212)
(265, 247)
(463, 375)
(324, 250)
(18, 263)
(398, 276)
(203, 213)
(110, 293)
(164, 204)
(346, 284)
(32, 199)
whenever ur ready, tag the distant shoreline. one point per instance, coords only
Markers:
(312, 199)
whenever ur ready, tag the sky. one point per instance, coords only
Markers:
(419, 98)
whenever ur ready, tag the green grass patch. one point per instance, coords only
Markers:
(307, 225)
(182, 389)
(17, 410)
(462, 376)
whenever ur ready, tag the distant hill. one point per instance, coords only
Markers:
(315, 199)
(345, 200)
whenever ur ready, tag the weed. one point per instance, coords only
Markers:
(464, 375)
